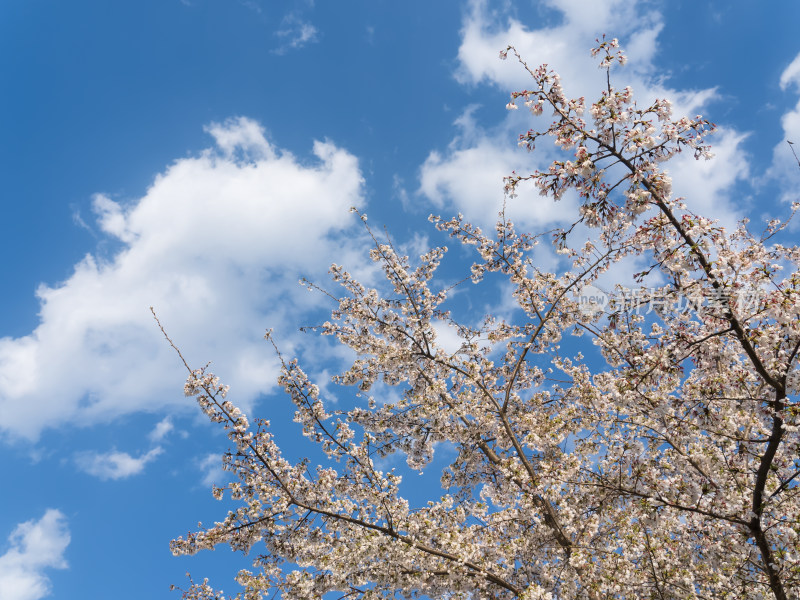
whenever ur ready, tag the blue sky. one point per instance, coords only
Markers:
(201, 155)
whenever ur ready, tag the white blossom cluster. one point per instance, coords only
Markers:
(670, 472)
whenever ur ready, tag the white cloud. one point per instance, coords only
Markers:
(216, 244)
(784, 163)
(399, 191)
(114, 465)
(211, 467)
(295, 33)
(467, 177)
(34, 547)
(161, 429)
(709, 186)
(563, 46)
(244, 135)
(791, 74)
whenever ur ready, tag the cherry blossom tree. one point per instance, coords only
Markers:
(666, 467)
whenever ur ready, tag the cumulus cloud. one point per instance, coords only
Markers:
(784, 163)
(216, 245)
(563, 45)
(33, 547)
(114, 465)
(467, 176)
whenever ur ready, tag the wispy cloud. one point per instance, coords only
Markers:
(211, 467)
(791, 74)
(252, 5)
(294, 33)
(114, 465)
(34, 547)
(161, 430)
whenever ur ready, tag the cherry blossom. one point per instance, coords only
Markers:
(665, 467)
